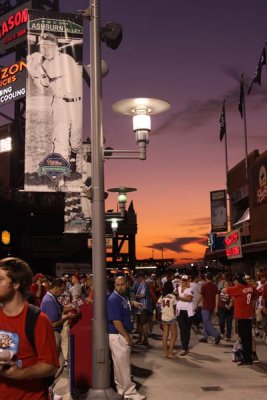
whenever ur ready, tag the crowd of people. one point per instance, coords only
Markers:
(179, 303)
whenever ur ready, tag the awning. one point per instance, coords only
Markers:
(244, 218)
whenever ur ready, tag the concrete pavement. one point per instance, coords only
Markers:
(207, 372)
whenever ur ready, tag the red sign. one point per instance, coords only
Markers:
(231, 239)
(233, 251)
(13, 26)
(233, 246)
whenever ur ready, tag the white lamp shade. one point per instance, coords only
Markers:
(141, 122)
(114, 224)
(122, 198)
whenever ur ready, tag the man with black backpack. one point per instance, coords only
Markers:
(26, 359)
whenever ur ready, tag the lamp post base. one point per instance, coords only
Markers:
(101, 394)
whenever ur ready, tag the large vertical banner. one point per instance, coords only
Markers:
(77, 211)
(53, 131)
(218, 206)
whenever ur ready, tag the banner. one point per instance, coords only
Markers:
(53, 131)
(77, 211)
(218, 207)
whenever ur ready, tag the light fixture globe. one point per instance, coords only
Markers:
(122, 196)
(114, 218)
(141, 109)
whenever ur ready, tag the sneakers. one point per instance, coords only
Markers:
(136, 396)
(241, 363)
(183, 353)
(203, 340)
(217, 339)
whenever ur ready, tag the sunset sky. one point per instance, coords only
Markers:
(190, 53)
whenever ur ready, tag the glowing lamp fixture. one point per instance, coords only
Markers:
(141, 110)
(141, 122)
(122, 197)
(114, 218)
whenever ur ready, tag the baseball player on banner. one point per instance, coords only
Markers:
(54, 69)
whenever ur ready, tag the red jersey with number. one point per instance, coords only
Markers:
(243, 300)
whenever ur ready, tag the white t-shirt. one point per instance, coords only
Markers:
(167, 304)
(185, 305)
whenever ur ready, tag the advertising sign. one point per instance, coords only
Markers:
(53, 131)
(218, 208)
(259, 182)
(12, 82)
(232, 242)
(13, 27)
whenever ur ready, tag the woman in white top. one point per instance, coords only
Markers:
(185, 312)
(167, 302)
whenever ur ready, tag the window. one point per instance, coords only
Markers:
(5, 144)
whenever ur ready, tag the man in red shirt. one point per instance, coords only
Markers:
(209, 297)
(37, 289)
(22, 369)
(244, 295)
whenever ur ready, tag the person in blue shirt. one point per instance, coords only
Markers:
(120, 340)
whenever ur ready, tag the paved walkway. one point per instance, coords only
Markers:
(207, 372)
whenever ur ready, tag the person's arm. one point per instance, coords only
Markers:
(216, 303)
(39, 370)
(120, 328)
(39, 289)
(186, 297)
(135, 303)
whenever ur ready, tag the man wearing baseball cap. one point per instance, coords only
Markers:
(244, 296)
(37, 289)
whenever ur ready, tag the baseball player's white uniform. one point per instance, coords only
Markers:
(60, 72)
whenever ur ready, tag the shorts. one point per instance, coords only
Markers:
(144, 317)
(171, 322)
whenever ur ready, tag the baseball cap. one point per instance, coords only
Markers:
(184, 278)
(177, 274)
(240, 277)
(48, 37)
(38, 276)
(77, 276)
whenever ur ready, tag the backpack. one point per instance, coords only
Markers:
(32, 315)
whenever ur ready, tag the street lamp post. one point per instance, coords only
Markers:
(100, 349)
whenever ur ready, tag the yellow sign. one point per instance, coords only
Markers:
(5, 237)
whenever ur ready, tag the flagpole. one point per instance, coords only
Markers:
(223, 134)
(245, 127)
(226, 173)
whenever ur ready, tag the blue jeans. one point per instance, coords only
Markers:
(209, 330)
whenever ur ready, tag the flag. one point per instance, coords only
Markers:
(241, 96)
(257, 76)
(222, 122)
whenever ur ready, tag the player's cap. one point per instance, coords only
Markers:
(240, 277)
(48, 38)
(184, 277)
(38, 276)
(177, 274)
